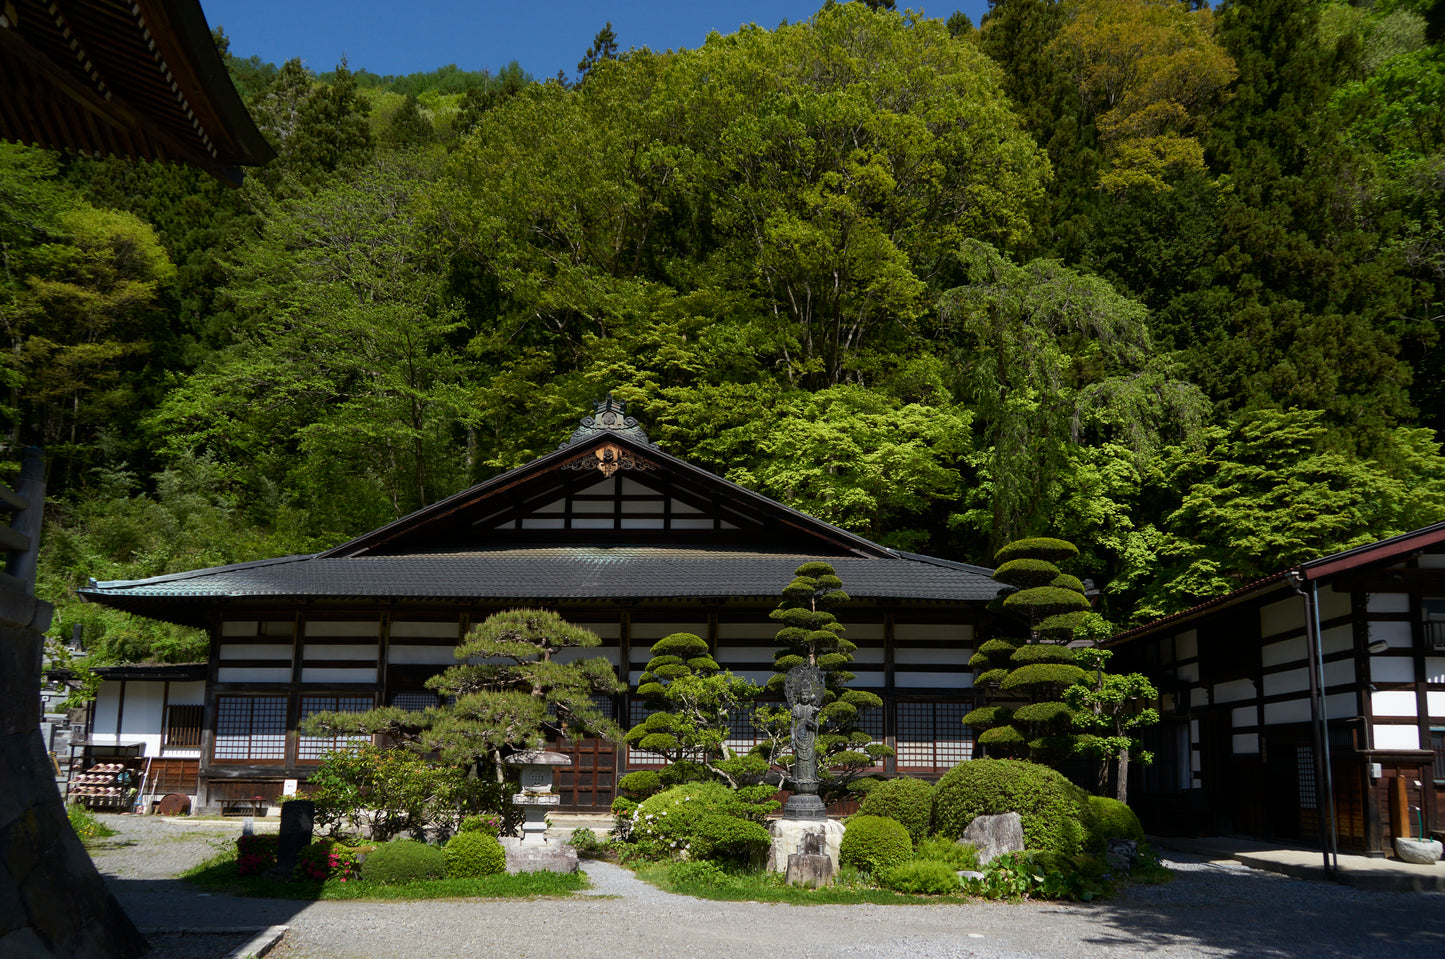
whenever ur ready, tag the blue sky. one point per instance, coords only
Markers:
(543, 35)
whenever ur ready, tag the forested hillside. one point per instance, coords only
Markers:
(1164, 281)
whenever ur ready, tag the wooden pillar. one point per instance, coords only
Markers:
(1399, 804)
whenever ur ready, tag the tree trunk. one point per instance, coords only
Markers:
(1121, 774)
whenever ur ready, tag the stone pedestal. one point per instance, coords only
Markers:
(544, 855)
(804, 838)
(536, 773)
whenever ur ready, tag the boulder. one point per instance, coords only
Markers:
(993, 836)
(1424, 852)
(1122, 854)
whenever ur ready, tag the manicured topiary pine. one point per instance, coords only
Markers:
(1052, 606)
(812, 634)
(691, 699)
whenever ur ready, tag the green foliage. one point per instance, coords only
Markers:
(1047, 675)
(404, 860)
(701, 821)
(905, 800)
(1026, 572)
(1114, 820)
(874, 844)
(393, 791)
(1055, 813)
(473, 854)
(1043, 653)
(325, 859)
(958, 856)
(1112, 710)
(987, 717)
(1034, 551)
(921, 878)
(86, 826)
(640, 784)
(490, 824)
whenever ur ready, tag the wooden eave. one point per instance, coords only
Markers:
(139, 79)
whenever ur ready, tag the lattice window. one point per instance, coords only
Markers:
(1305, 763)
(316, 747)
(250, 727)
(182, 726)
(742, 735)
(414, 702)
(636, 713)
(932, 735)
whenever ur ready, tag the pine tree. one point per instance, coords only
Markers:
(604, 47)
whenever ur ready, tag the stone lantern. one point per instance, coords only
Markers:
(537, 772)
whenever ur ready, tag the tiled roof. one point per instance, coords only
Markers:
(556, 572)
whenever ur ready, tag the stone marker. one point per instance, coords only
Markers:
(1423, 852)
(298, 818)
(812, 867)
(995, 835)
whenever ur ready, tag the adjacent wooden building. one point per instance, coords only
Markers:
(618, 536)
(1352, 644)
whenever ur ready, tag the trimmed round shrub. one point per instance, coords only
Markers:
(1067, 581)
(987, 717)
(473, 854)
(874, 843)
(489, 823)
(701, 821)
(925, 878)
(1024, 573)
(1044, 713)
(641, 784)
(905, 800)
(1037, 547)
(405, 860)
(992, 676)
(1045, 601)
(1043, 674)
(998, 647)
(1002, 737)
(956, 855)
(1042, 653)
(1056, 814)
(1114, 820)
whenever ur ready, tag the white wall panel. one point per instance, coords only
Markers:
(1388, 603)
(1390, 669)
(1397, 702)
(1288, 651)
(612, 654)
(910, 680)
(1396, 634)
(935, 632)
(1281, 617)
(425, 655)
(1246, 744)
(1244, 716)
(313, 674)
(187, 694)
(741, 654)
(242, 674)
(313, 651)
(726, 631)
(401, 629)
(650, 633)
(1189, 672)
(1333, 604)
(347, 628)
(1233, 691)
(1432, 561)
(239, 627)
(1186, 644)
(1435, 704)
(870, 654)
(1290, 711)
(255, 651)
(1397, 737)
(1289, 681)
(942, 656)
(1337, 640)
(1340, 672)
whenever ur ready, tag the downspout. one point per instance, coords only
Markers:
(1324, 776)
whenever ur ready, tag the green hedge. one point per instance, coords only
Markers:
(1114, 820)
(1037, 547)
(925, 878)
(1056, 814)
(405, 860)
(701, 821)
(474, 854)
(906, 801)
(874, 843)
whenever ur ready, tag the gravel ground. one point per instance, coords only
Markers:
(1209, 910)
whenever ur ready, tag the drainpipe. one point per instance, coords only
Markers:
(1319, 721)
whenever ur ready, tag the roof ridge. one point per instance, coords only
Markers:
(196, 573)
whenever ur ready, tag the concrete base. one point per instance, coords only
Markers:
(551, 855)
(789, 836)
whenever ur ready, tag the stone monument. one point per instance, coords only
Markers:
(805, 841)
(534, 852)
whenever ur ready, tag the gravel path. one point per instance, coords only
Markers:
(1209, 910)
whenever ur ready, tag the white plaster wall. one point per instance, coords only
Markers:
(1288, 651)
(648, 633)
(1189, 672)
(370, 628)
(316, 674)
(1281, 617)
(1435, 704)
(1337, 640)
(1289, 681)
(1246, 744)
(314, 651)
(1388, 603)
(610, 653)
(1432, 561)
(1397, 737)
(1333, 604)
(188, 694)
(239, 627)
(741, 654)
(942, 656)
(872, 655)
(428, 655)
(914, 680)
(1289, 711)
(144, 708)
(1233, 691)
(943, 633)
(1186, 644)
(239, 674)
(870, 679)
(255, 651)
(1397, 702)
(1391, 670)
(424, 630)
(1396, 634)
(1244, 716)
(734, 631)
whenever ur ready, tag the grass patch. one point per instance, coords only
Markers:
(219, 875)
(86, 826)
(850, 888)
